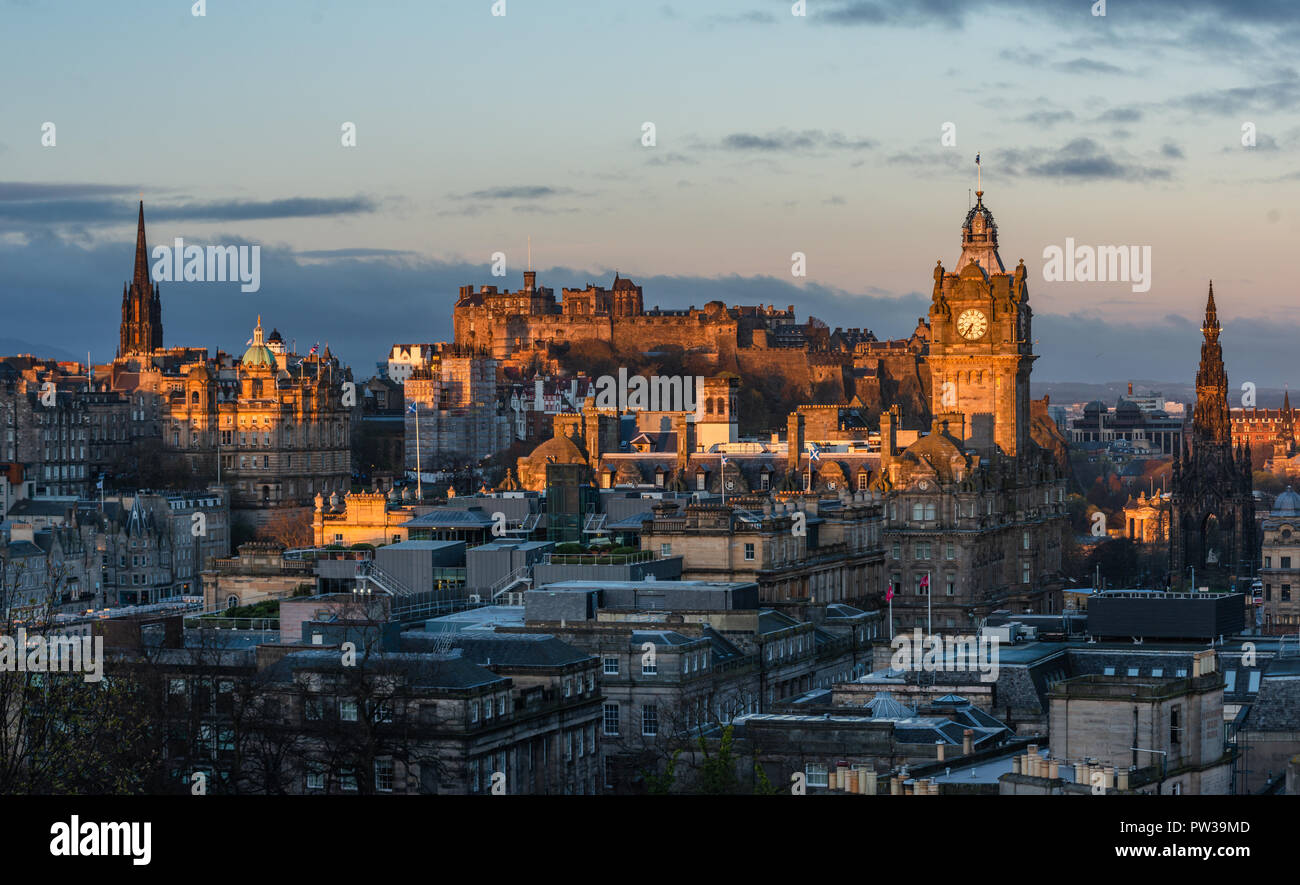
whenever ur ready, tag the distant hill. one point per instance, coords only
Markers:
(15, 347)
(1066, 392)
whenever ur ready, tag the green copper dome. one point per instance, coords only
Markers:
(258, 354)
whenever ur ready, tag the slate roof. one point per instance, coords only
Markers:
(421, 670)
(661, 637)
(447, 517)
(1276, 707)
(519, 650)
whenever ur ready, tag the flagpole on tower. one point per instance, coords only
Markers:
(979, 176)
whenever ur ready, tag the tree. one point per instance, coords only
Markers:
(288, 528)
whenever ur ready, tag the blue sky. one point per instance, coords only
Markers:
(774, 133)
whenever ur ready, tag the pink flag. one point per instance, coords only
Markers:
(889, 593)
(925, 582)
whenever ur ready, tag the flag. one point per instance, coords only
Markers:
(724, 460)
(411, 408)
(100, 483)
(315, 347)
(814, 453)
(977, 159)
(925, 583)
(889, 592)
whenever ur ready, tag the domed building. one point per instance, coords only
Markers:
(279, 429)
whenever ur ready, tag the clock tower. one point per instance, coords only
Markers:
(980, 347)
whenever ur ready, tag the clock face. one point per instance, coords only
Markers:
(972, 324)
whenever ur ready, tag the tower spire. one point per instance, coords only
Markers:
(141, 330)
(1210, 419)
(141, 277)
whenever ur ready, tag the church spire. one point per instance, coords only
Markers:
(141, 278)
(141, 330)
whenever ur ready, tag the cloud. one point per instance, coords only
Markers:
(1120, 115)
(46, 205)
(24, 190)
(1089, 66)
(787, 141)
(516, 192)
(1172, 151)
(1047, 117)
(1081, 159)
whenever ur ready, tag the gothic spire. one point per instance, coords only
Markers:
(141, 278)
(141, 330)
(1210, 422)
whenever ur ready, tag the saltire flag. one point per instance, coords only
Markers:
(411, 408)
(814, 453)
(977, 159)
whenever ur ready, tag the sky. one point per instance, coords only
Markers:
(773, 134)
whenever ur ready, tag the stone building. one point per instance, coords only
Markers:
(258, 572)
(976, 513)
(1135, 723)
(60, 426)
(1146, 520)
(1269, 433)
(835, 555)
(1212, 525)
(678, 657)
(454, 402)
(1280, 565)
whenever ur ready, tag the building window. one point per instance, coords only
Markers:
(315, 776)
(611, 720)
(949, 588)
(1286, 562)
(816, 774)
(1176, 724)
(649, 720)
(665, 549)
(611, 666)
(749, 552)
(348, 780)
(312, 710)
(1024, 573)
(473, 711)
(348, 710)
(649, 665)
(949, 552)
(1024, 540)
(384, 775)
